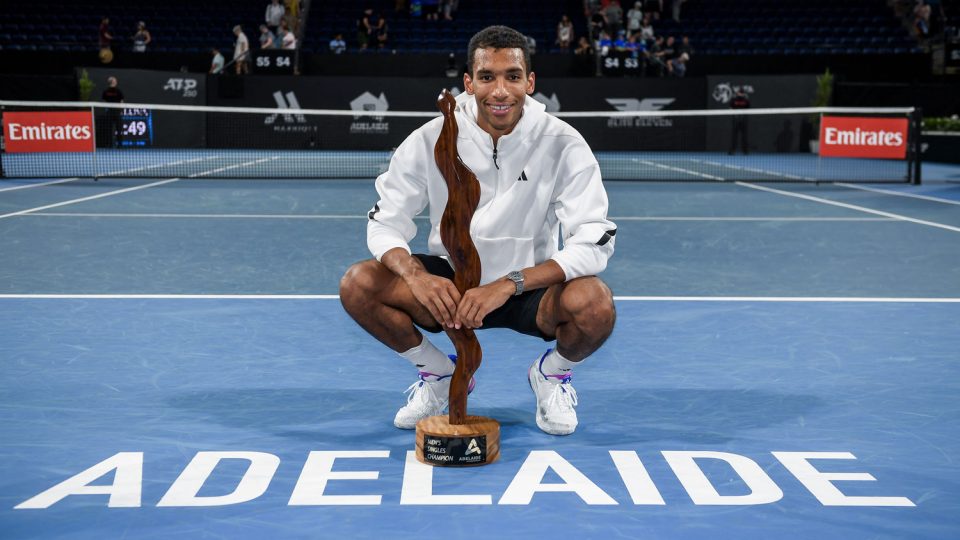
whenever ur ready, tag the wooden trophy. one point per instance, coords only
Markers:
(458, 440)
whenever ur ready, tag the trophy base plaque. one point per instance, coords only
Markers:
(442, 444)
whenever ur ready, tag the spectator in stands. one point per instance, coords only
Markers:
(597, 24)
(669, 48)
(105, 36)
(635, 18)
(921, 19)
(739, 101)
(620, 44)
(613, 14)
(604, 43)
(288, 40)
(646, 28)
(654, 8)
(449, 8)
(675, 8)
(241, 52)
(267, 38)
(382, 35)
(293, 14)
(665, 52)
(368, 28)
(114, 127)
(564, 33)
(678, 66)
(216, 65)
(337, 44)
(142, 38)
(273, 16)
(590, 7)
(531, 44)
(583, 46)
(284, 27)
(638, 49)
(431, 9)
(685, 46)
(656, 64)
(399, 7)
(416, 9)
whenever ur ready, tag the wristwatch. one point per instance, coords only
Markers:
(517, 278)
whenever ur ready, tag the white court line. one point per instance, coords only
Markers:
(758, 171)
(850, 299)
(805, 299)
(678, 169)
(851, 207)
(203, 216)
(899, 194)
(759, 218)
(51, 182)
(146, 167)
(236, 166)
(359, 216)
(90, 198)
(135, 188)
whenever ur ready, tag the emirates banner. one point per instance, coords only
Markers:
(850, 136)
(48, 131)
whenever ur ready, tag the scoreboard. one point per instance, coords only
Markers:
(137, 127)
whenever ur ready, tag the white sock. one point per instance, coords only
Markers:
(432, 363)
(556, 368)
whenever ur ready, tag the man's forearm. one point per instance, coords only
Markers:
(543, 275)
(401, 263)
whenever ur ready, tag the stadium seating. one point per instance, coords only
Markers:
(769, 27)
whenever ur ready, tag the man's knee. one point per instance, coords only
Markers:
(360, 282)
(589, 303)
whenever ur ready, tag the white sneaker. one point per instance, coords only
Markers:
(426, 398)
(555, 400)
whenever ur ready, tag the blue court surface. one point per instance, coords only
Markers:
(176, 364)
(331, 164)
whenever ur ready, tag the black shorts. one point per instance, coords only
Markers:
(518, 314)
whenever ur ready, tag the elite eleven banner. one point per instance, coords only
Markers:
(849, 136)
(48, 131)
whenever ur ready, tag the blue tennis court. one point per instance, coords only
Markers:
(331, 164)
(176, 363)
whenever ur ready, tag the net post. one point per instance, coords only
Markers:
(3, 149)
(916, 129)
(93, 122)
(819, 152)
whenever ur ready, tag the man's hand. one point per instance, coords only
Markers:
(438, 294)
(480, 301)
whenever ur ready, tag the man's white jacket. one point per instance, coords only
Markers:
(540, 181)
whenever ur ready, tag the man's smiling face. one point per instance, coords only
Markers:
(500, 83)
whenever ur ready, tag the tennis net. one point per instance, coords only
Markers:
(82, 139)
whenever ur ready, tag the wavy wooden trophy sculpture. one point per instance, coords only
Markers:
(458, 440)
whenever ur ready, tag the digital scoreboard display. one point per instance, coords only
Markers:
(137, 127)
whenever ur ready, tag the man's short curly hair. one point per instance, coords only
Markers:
(498, 37)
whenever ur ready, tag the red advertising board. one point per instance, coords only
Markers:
(851, 136)
(48, 131)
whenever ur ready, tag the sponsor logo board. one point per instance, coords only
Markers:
(849, 136)
(64, 131)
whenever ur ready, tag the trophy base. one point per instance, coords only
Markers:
(442, 444)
